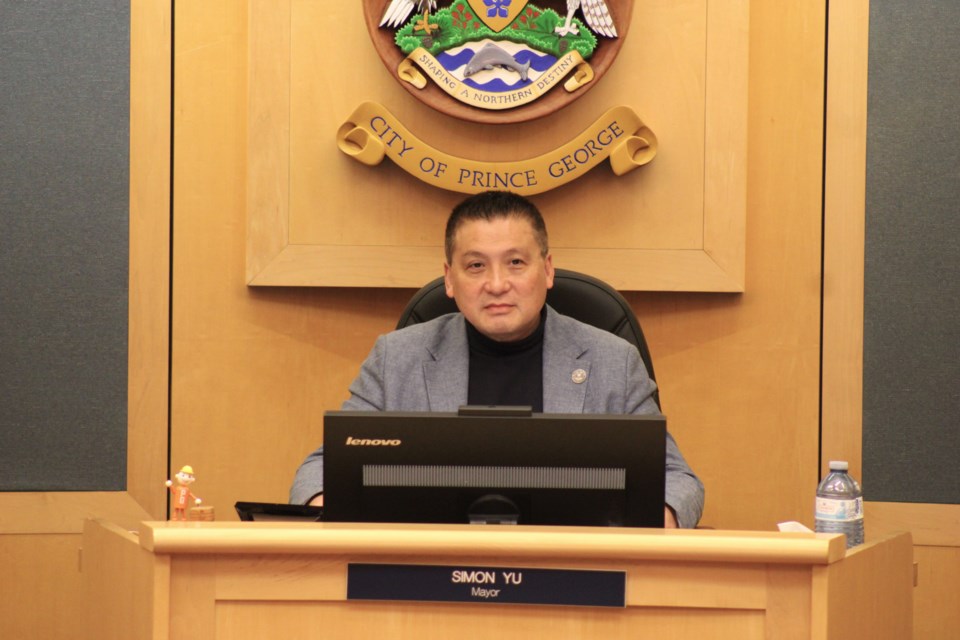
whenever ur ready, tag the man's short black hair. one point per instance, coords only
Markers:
(494, 205)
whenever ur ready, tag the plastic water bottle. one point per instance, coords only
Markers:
(840, 504)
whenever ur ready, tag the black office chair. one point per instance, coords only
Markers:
(574, 294)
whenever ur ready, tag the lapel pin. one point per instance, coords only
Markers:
(579, 376)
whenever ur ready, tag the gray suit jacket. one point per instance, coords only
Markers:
(425, 367)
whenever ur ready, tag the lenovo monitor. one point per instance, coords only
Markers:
(494, 465)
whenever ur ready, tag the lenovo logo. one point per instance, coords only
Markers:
(368, 442)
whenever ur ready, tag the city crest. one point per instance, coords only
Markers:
(497, 61)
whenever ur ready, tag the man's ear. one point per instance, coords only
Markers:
(446, 280)
(548, 267)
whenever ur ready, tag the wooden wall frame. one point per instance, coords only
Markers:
(151, 133)
(149, 290)
(276, 258)
(844, 245)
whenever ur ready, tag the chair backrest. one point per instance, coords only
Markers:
(574, 294)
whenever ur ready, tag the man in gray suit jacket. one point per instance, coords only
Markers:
(506, 346)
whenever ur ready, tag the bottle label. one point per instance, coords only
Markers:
(839, 510)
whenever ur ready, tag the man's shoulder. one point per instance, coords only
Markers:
(424, 333)
(568, 328)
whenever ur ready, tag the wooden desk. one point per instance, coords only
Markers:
(180, 581)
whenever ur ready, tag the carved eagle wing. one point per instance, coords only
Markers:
(399, 10)
(596, 14)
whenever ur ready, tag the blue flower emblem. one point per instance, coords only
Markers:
(498, 8)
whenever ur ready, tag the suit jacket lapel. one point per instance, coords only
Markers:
(446, 367)
(563, 359)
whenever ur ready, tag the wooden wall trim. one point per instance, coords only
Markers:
(931, 525)
(268, 142)
(151, 41)
(50, 512)
(843, 244)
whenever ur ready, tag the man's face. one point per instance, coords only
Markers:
(498, 277)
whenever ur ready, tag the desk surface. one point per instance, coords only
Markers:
(484, 540)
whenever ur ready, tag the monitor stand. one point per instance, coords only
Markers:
(493, 509)
(487, 411)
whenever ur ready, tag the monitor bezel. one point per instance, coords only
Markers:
(636, 443)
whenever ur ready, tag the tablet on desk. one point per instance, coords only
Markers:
(278, 512)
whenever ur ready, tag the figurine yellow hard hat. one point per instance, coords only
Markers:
(187, 469)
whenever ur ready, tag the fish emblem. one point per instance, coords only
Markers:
(491, 56)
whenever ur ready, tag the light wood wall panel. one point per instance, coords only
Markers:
(739, 373)
(254, 368)
(148, 375)
(844, 202)
(318, 218)
(42, 586)
(935, 612)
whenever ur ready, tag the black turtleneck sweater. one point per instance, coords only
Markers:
(506, 373)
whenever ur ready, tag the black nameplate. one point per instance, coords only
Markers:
(498, 585)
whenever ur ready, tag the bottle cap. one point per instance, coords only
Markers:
(839, 465)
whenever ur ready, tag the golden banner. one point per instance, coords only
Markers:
(422, 60)
(372, 132)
